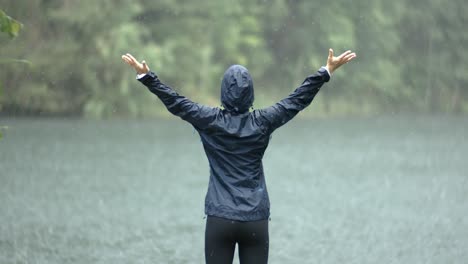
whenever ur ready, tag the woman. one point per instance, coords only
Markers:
(237, 204)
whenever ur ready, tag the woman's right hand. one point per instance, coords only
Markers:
(140, 67)
(334, 63)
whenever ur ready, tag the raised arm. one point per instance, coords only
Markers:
(283, 111)
(198, 115)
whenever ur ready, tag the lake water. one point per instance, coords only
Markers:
(362, 190)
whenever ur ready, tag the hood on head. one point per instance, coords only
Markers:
(237, 93)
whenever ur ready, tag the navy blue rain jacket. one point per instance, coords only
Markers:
(235, 138)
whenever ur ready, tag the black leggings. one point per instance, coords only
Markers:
(221, 236)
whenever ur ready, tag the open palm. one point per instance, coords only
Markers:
(140, 67)
(334, 63)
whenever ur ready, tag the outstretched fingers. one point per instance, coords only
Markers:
(334, 63)
(128, 60)
(125, 59)
(344, 54)
(131, 57)
(140, 67)
(349, 57)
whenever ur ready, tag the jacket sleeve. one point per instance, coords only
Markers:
(200, 116)
(283, 111)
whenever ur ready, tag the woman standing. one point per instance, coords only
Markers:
(235, 139)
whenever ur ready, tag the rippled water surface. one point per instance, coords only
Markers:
(364, 190)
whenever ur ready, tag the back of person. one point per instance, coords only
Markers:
(237, 202)
(235, 138)
(235, 145)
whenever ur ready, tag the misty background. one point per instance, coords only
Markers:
(93, 169)
(411, 54)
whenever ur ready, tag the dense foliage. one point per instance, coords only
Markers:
(411, 55)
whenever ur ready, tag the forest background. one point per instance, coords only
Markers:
(412, 55)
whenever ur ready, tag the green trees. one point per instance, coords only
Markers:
(11, 27)
(410, 55)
